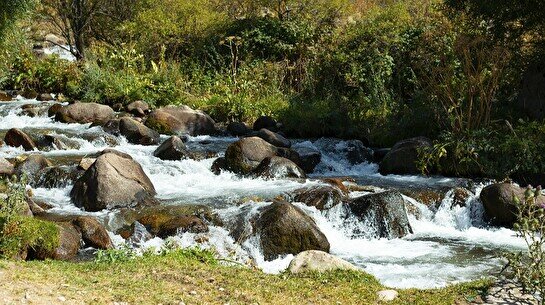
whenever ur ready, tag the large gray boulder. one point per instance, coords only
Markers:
(172, 149)
(114, 180)
(499, 202)
(274, 138)
(318, 261)
(384, 213)
(84, 113)
(137, 133)
(278, 168)
(285, 229)
(246, 154)
(17, 138)
(180, 120)
(403, 157)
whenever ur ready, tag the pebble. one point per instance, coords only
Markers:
(61, 299)
(387, 295)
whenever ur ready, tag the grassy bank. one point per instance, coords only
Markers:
(194, 278)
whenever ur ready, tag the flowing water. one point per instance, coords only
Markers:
(451, 243)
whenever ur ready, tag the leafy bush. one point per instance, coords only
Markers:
(529, 266)
(19, 232)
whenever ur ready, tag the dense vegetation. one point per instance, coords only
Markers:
(382, 70)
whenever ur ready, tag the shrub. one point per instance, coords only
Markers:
(529, 265)
(18, 232)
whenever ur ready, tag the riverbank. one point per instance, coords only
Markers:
(182, 277)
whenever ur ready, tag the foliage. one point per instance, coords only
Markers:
(19, 232)
(529, 266)
(10, 10)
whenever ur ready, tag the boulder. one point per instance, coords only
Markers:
(318, 261)
(246, 154)
(238, 129)
(52, 111)
(44, 97)
(285, 229)
(30, 110)
(29, 94)
(68, 247)
(16, 138)
(138, 108)
(265, 122)
(402, 158)
(273, 138)
(379, 154)
(498, 201)
(384, 213)
(172, 149)
(322, 197)
(84, 113)
(5, 97)
(111, 127)
(54, 39)
(181, 120)
(56, 176)
(277, 168)
(138, 133)
(114, 180)
(309, 158)
(357, 153)
(218, 165)
(6, 168)
(93, 232)
(32, 165)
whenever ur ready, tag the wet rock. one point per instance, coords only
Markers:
(93, 232)
(266, 122)
(69, 245)
(183, 223)
(181, 120)
(285, 229)
(29, 94)
(318, 261)
(238, 129)
(218, 165)
(338, 183)
(379, 154)
(16, 138)
(274, 138)
(322, 197)
(498, 202)
(385, 214)
(57, 176)
(85, 163)
(426, 196)
(32, 165)
(278, 168)
(114, 180)
(357, 153)
(5, 97)
(44, 97)
(138, 108)
(309, 158)
(57, 142)
(30, 110)
(138, 133)
(460, 196)
(52, 111)
(402, 158)
(172, 149)
(111, 127)
(246, 154)
(6, 168)
(85, 113)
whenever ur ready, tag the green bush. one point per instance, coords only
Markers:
(18, 232)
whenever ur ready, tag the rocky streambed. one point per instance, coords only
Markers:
(140, 178)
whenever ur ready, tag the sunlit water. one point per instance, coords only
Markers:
(449, 244)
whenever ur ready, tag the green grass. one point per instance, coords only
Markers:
(192, 277)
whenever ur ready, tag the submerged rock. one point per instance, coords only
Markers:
(285, 229)
(137, 133)
(384, 213)
(277, 168)
(17, 138)
(318, 261)
(402, 158)
(180, 120)
(85, 113)
(114, 180)
(172, 149)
